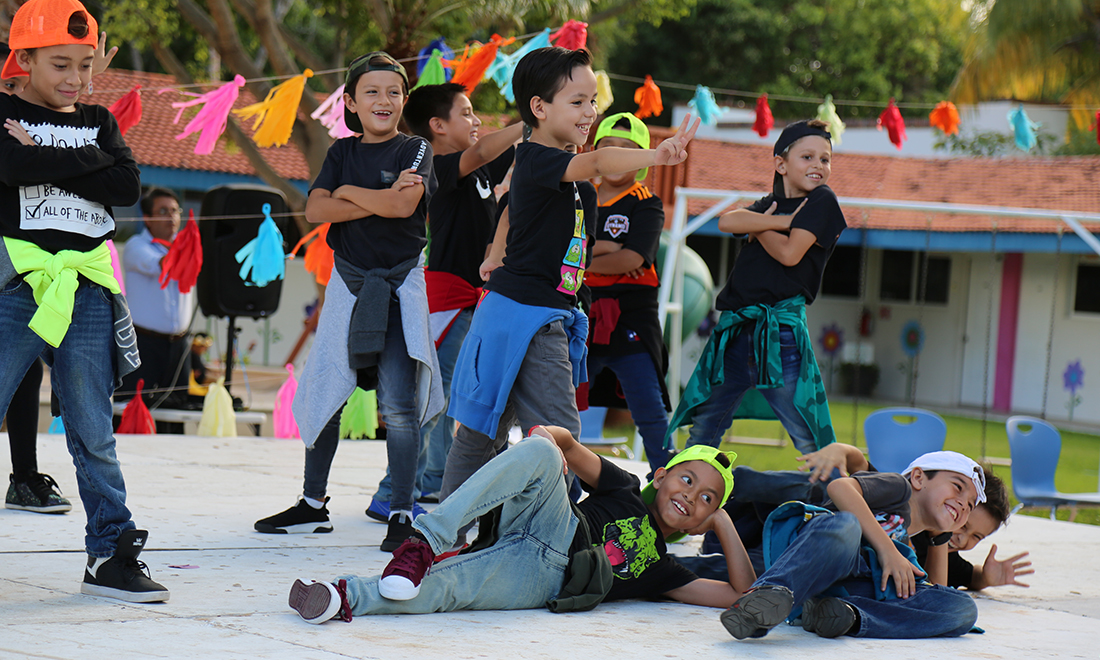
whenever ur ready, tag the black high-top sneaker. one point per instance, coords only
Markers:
(123, 576)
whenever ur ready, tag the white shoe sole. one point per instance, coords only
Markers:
(57, 508)
(395, 587)
(128, 596)
(319, 597)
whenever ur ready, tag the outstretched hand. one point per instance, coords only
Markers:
(673, 151)
(102, 58)
(822, 462)
(997, 573)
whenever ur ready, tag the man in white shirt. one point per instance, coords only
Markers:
(161, 316)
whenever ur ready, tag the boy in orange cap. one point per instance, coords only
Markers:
(63, 165)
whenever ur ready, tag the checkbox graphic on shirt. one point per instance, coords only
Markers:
(32, 192)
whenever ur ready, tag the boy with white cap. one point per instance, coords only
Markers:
(830, 571)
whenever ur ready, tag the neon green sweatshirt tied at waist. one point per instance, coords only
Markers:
(54, 278)
(809, 396)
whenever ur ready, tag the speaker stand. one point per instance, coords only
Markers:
(232, 332)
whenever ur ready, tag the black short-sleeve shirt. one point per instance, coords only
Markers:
(462, 214)
(548, 236)
(758, 278)
(887, 495)
(619, 520)
(374, 241)
(634, 220)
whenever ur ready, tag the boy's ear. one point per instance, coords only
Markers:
(23, 58)
(659, 477)
(917, 479)
(436, 125)
(538, 108)
(349, 101)
(781, 165)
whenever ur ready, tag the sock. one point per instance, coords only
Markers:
(408, 515)
(316, 504)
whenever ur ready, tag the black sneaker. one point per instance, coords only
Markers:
(318, 602)
(758, 611)
(828, 617)
(123, 576)
(400, 528)
(298, 519)
(38, 493)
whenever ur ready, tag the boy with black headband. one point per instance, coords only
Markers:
(761, 339)
(374, 189)
(543, 546)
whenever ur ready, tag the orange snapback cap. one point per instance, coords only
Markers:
(42, 23)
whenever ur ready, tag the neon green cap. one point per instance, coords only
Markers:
(638, 133)
(708, 455)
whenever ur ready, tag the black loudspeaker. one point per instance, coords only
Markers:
(231, 217)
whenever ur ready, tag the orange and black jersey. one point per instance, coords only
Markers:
(634, 219)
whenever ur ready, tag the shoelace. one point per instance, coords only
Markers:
(43, 485)
(413, 558)
(345, 607)
(138, 566)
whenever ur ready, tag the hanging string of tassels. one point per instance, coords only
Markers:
(471, 68)
(127, 110)
(648, 98)
(604, 97)
(275, 115)
(764, 120)
(945, 116)
(263, 255)
(425, 55)
(331, 115)
(319, 256)
(1023, 129)
(704, 105)
(433, 72)
(826, 112)
(891, 120)
(211, 120)
(573, 35)
(184, 259)
(504, 66)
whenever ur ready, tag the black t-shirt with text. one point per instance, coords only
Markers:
(758, 278)
(374, 241)
(549, 230)
(462, 215)
(59, 193)
(619, 520)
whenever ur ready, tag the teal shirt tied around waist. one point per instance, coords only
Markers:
(809, 395)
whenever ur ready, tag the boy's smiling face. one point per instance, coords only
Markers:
(945, 500)
(806, 166)
(58, 75)
(378, 101)
(687, 494)
(979, 525)
(459, 129)
(571, 115)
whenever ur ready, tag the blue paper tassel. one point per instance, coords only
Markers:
(56, 426)
(504, 66)
(263, 255)
(426, 54)
(705, 106)
(1023, 128)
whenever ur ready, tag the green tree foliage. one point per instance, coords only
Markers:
(863, 50)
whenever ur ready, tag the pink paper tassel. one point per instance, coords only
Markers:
(283, 417)
(211, 120)
(331, 115)
(573, 35)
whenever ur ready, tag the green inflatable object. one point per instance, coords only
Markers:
(698, 287)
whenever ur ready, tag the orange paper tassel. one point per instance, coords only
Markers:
(471, 67)
(184, 259)
(764, 120)
(127, 110)
(275, 114)
(891, 120)
(319, 258)
(648, 98)
(945, 117)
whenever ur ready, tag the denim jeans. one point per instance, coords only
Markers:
(397, 403)
(542, 393)
(436, 436)
(82, 372)
(714, 417)
(526, 565)
(639, 380)
(827, 552)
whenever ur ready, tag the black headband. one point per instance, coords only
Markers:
(797, 131)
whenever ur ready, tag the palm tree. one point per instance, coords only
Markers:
(1045, 51)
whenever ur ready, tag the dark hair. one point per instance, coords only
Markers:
(4, 50)
(151, 196)
(427, 102)
(380, 60)
(78, 24)
(543, 73)
(996, 497)
(812, 123)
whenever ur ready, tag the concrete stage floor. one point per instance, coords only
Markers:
(198, 497)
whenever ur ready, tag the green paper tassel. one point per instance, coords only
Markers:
(360, 417)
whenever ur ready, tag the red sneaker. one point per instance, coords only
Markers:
(411, 562)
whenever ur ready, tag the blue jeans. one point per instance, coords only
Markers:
(397, 400)
(526, 565)
(437, 435)
(713, 418)
(83, 375)
(639, 380)
(827, 552)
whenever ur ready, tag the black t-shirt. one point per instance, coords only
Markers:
(634, 220)
(887, 496)
(374, 241)
(960, 572)
(619, 520)
(549, 229)
(59, 195)
(462, 215)
(758, 278)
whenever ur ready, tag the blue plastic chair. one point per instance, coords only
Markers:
(592, 433)
(897, 436)
(1036, 446)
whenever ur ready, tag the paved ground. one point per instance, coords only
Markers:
(200, 496)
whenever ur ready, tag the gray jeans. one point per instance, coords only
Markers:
(542, 393)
